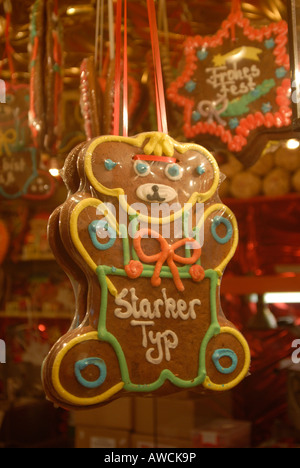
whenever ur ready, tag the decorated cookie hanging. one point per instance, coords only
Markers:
(46, 75)
(41, 187)
(143, 222)
(159, 289)
(54, 77)
(37, 111)
(234, 89)
(18, 158)
(90, 99)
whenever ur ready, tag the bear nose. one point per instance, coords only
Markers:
(155, 188)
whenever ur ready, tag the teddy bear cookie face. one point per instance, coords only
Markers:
(175, 177)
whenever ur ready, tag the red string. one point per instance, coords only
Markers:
(118, 71)
(236, 6)
(116, 129)
(235, 9)
(159, 85)
(125, 75)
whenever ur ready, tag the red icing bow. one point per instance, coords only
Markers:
(167, 254)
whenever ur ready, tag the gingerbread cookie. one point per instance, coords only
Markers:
(54, 77)
(18, 157)
(46, 75)
(37, 111)
(149, 232)
(74, 273)
(90, 99)
(108, 100)
(235, 87)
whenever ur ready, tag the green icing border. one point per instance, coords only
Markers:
(166, 374)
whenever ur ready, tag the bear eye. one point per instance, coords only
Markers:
(141, 168)
(200, 170)
(109, 164)
(173, 172)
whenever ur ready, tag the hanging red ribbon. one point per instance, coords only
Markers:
(125, 75)
(159, 84)
(236, 6)
(118, 71)
(118, 68)
(8, 51)
(235, 9)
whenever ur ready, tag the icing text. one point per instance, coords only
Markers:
(142, 313)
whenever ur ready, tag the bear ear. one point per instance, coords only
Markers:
(200, 171)
(70, 172)
(107, 165)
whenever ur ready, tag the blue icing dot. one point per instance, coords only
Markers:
(142, 168)
(281, 72)
(234, 123)
(190, 86)
(270, 43)
(266, 107)
(202, 54)
(255, 93)
(200, 170)
(109, 164)
(196, 116)
(174, 170)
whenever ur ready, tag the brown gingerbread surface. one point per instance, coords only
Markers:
(154, 323)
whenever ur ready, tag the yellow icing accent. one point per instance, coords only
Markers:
(6, 139)
(227, 386)
(160, 144)
(88, 202)
(224, 209)
(69, 397)
(249, 53)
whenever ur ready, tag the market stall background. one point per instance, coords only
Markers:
(264, 197)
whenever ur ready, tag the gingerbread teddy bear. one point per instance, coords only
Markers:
(144, 232)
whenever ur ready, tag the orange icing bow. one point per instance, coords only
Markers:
(168, 255)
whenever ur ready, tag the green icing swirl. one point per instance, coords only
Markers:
(240, 106)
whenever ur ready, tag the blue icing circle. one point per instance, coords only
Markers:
(101, 224)
(266, 107)
(142, 168)
(174, 170)
(200, 170)
(83, 364)
(109, 164)
(202, 54)
(216, 222)
(270, 43)
(281, 72)
(196, 116)
(234, 123)
(223, 352)
(190, 86)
